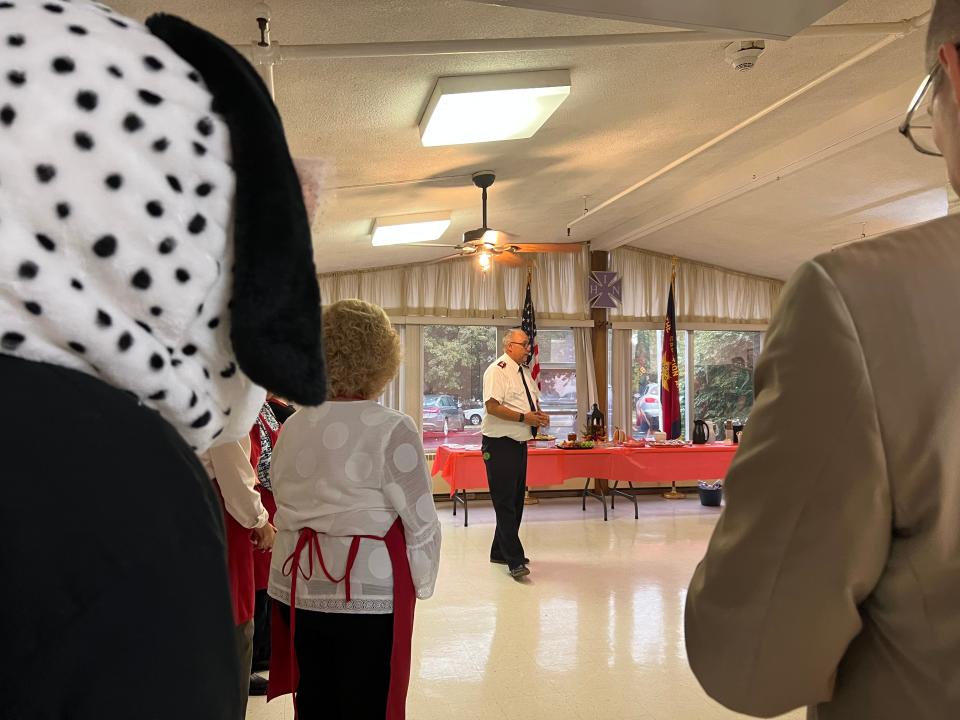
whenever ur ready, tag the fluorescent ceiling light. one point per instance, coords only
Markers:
(484, 108)
(402, 229)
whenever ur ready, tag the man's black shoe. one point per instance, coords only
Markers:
(258, 685)
(519, 571)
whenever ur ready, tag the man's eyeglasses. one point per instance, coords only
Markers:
(525, 345)
(920, 134)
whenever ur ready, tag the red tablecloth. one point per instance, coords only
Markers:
(464, 469)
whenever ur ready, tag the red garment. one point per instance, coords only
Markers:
(261, 560)
(240, 552)
(284, 676)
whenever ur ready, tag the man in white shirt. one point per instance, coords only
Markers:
(512, 402)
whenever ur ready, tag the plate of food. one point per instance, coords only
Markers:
(576, 445)
(679, 443)
(543, 441)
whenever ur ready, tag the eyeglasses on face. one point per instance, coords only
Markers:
(917, 128)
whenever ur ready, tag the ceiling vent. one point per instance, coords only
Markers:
(773, 19)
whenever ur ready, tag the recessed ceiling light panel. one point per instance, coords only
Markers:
(404, 229)
(486, 108)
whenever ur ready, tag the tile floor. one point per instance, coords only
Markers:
(596, 632)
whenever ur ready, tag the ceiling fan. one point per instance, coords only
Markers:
(490, 245)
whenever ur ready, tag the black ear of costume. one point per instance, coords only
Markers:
(276, 301)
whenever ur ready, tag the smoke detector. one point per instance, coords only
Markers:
(743, 55)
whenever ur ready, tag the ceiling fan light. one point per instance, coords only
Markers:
(486, 108)
(406, 229)
(484, 260)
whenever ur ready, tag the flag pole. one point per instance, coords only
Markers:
(529, 499)
(673, 494)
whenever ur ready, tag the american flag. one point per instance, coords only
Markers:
(529, 326)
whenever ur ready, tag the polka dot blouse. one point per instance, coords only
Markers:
(352, 468)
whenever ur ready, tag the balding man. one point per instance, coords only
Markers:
(512, 402)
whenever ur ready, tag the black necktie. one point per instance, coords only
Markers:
(526, 389)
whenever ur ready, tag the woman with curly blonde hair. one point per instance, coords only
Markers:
(358, 536)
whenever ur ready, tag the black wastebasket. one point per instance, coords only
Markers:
(710, 496)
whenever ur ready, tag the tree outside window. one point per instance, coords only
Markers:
(723, 374)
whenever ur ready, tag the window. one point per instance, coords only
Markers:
(558, 380)
(454, 360)
(723, 376)
(647, 349)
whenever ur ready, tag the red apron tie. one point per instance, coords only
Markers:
(284, 673)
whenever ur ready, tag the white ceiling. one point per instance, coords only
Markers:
(631, 111)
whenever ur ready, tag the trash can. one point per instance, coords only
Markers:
(711, 494)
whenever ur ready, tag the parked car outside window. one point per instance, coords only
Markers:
(442, 413)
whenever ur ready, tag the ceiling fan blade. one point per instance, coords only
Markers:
(429, 245)
(447, 258)
(507, 258)
(549, 247)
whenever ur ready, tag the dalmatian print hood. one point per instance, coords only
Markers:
(120, 254)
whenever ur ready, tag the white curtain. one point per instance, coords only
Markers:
(392, 396)
(559, 286)
(623, 404)
(709, 295)
(457, 289)
(704, 294)
(586, 375)
(411, 386)
(383, 287)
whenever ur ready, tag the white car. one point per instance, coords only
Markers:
(474, 416)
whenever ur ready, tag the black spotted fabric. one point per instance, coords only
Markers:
(116, 205)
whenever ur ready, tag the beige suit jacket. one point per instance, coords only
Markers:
(833, 577)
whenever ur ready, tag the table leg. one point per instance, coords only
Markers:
(599, 495)
(630, 496)
(460, 496)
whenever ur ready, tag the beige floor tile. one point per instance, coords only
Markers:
(595, 634)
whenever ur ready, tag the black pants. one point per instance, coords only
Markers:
(344, 661)
(261, 628)
(506, 462)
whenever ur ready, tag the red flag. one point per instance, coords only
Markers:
(670, 373)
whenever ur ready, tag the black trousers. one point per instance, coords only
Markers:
(506, 462)
(261, 628)
(344, 661)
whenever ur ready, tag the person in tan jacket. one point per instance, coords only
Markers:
(833, 577)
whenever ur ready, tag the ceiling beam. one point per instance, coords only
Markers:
(833, 137)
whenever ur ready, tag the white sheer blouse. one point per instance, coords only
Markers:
(344, 469)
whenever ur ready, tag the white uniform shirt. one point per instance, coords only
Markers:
(502, 382)
(351, 468)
